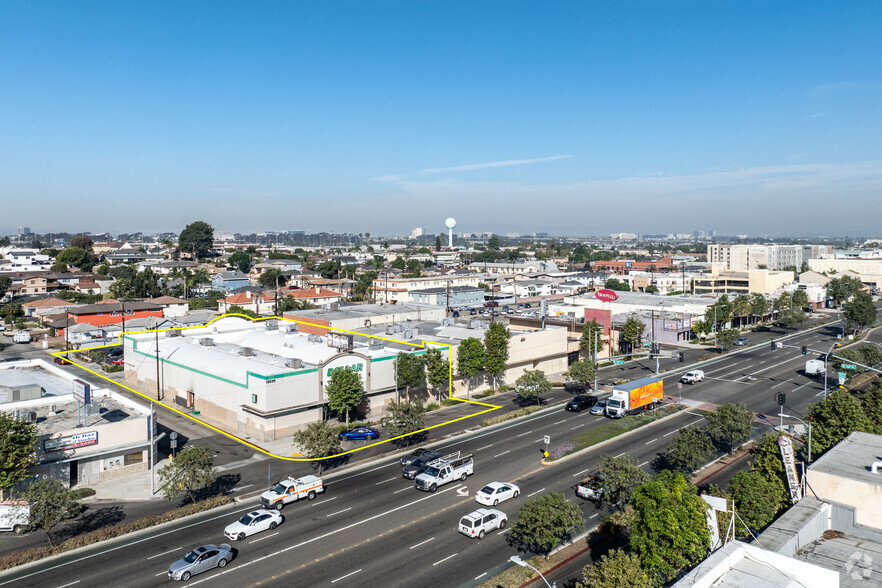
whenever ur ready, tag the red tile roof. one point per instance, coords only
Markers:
(47, 303)
(314, 293)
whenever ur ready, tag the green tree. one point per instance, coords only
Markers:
(345, 391)
(17, 453)
(470, 360)
(834, 418)
(842, 289)
(545, 521)
(727, 337)
(532, 384)
(587, 340)
(318, 440)
(871, 403)
(413, 268)
(616, 569)
(493, 243)
(236, 309)
(196, 238)
(757, 499)
(496, 351)
(5, 242)
(10, 310)
(58, 267)
(800, 298)
(741, 306)
(405, 418)
(582, 370)
(701, 327)
(410, 372)
(329, 269)
(81, 241)
(729, 425)
(240, 261)
(632, 331)
(766, 461)
(759, 306)
(691, 448)
(615, 284)
(76, 257)
(437, 370)
(192, 469)
(437, 242)
(398, 263)
(670, 530)
(720, 312)
(620, 476)
(272, 278)
(860, 312)
(50, 503)
(363, 284)
(5, 284)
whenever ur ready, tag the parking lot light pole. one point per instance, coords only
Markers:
(517, 560)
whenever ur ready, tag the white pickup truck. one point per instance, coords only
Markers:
(444, 470)
(21, 337)
(291, 490)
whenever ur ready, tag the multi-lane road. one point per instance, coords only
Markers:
(372, 527)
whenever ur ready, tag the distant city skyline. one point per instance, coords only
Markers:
(572, 118)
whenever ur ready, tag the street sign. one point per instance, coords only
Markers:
(778, 344)
(547, 439)
(848, 366)
(842, 377)
(679, 385)
(618, 361)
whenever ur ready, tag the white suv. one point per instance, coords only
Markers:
(692, 377)
(482, 521)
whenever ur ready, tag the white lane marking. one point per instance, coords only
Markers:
(643, 464)
(347, 575)
(396, 462)
(778, 384)
(695, 421)
(164, 553)
(422, 542)
(324, 501)
(71, 584)
(481, 576)
(527, 433)
(384, 481)
(577, 474)
(485, 447)
(653, 441)
(773, 365)
(237, 488)
(85, 557)
(229, 569)
(536, 492)
(445, 559)
(577, 426)
(165, 573)
(264, 537)
(403, 490)
(621, 454)
(503, 453)
(730, 373)
(725, 380)
(594, 515)
(339, 511)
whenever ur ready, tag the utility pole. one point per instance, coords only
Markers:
(448, 298)
(595, 360)
(158, 388)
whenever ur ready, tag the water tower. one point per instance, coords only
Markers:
(450, 223)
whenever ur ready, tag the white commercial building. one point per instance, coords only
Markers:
(741, 258)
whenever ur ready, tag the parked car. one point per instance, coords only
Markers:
(200, 560)
(692, 377)
(358, 433)
(473, 311)
(422, 452)
(575, 387)
(118, 362)
(482, 521)
(762, 329)
(579, 403)
(114, 352)
(455, 314)
(598, 408)
(527, 305)
(61, 361)
(491, 303)
(742, 341)
(254, 522)
(496, 492)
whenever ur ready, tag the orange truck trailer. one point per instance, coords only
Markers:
(634, 396)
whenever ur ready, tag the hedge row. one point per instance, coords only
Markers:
(511, 415)
(109, 532)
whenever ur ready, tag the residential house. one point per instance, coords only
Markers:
(113, 312)
(46, 306)
(261, 303)
(24, 260)
(452, 297)
(172, 307)
(316, 296)
(39, 284)
(226, 282)
(397, 289)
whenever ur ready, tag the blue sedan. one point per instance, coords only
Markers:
(358, 433)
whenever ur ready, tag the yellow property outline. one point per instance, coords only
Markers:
(493, 407)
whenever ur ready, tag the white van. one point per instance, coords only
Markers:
(692, 377)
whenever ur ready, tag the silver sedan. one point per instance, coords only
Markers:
(200, 560)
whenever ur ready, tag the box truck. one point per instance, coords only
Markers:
(634, 396)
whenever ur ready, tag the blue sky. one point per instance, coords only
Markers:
(563, 117)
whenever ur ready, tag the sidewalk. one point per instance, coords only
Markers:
(132, 487)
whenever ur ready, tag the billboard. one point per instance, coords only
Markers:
(72, 442)
(82, 392)
(606, 295)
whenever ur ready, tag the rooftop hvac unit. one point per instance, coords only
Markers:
(246, 351)
(294, 362)
(290, 328)
(31, 416)
(392, 329)
(314, 338)
(271, 325)
(335, 306)
(408, 334)
(476, 324)
(173, 333)
(326, 306)
(448, 322)
(378, 346)
(206, 341)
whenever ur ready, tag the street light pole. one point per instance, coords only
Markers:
(515, 559)
(826, 359)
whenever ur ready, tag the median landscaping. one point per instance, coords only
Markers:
(611, 429)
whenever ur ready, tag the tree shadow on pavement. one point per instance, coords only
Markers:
(222, 486)
(91, 520)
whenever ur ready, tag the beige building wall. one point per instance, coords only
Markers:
(765, 281)
(866, 498)
(870, 270)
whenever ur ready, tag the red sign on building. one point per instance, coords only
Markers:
(606, 295)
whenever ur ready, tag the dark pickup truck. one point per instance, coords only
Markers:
(579, 403)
